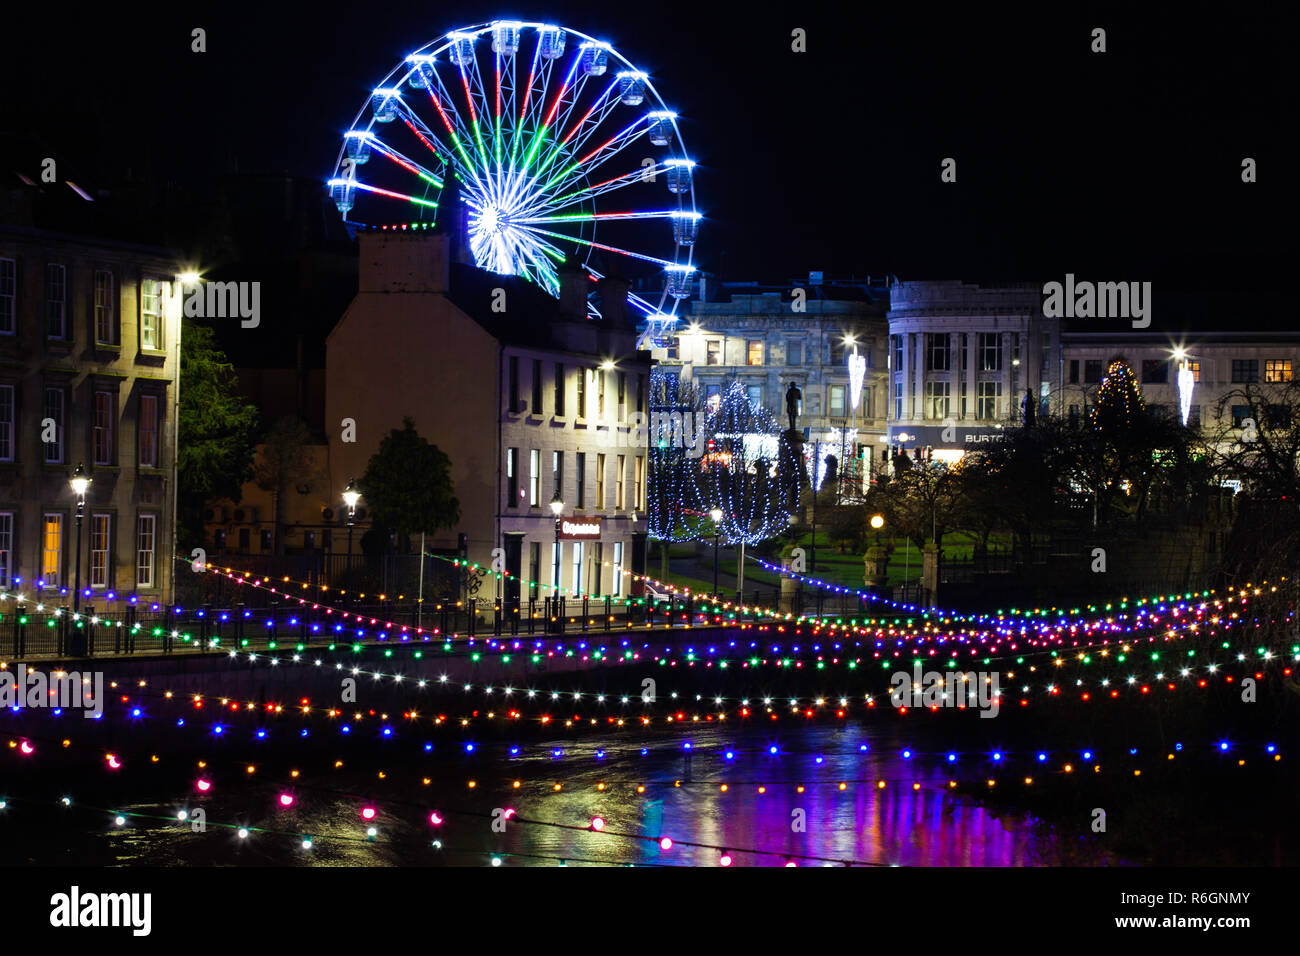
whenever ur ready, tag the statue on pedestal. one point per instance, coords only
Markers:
(793, 396)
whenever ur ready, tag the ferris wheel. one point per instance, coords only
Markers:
(559, 147)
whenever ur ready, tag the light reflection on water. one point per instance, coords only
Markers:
(896, 825)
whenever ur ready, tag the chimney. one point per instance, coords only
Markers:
(573, 291)
(613, 302)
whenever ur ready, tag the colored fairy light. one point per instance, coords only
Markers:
(435, 818)
(368, 813)
(665, 843)
(724, 859)
(203, 786)
(286, 799)
(119, 821)
(113, 762)
(27, 748)
(597, 823)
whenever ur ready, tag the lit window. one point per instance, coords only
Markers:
(52, 550)
(1277, 370)
(754, 352)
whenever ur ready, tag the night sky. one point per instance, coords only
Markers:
(1118, 166)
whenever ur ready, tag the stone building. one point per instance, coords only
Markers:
(768, 337)
(90, 333)
(531, 400)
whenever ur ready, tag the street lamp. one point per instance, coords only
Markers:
(80, 482)
(557, 507)
(716, 515)
(351, 495)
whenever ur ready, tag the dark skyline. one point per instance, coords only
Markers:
(1120, 165)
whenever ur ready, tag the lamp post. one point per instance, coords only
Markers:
(557, 506)
(80, 482)
(350, 498)
(716, 515)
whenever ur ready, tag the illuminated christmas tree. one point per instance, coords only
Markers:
(1119, 400)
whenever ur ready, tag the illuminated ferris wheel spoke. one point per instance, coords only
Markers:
(529, 118)
(379, 146)
(601, 245)
(603, 188)
(599, 216)
(598, 156)
(357, 184)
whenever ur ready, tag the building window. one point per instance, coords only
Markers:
(513, 366)
(991, 351)
(53, 410)
(6, 547)
(56, 301)
(99, 541)
(638, 502)
(755, 393)
(1074, 371)
(898, 399)
(713, 352)
(537, 387)
(1092, 371)
(559, 389)
(557, 473)
(148, 431)
(534, 568)
(105, 308)
(938, 403)
(52, 551)
(618, 483)
(105, 403)
(713, 397)
(512, 477)
(836, 401)
(577, 567)
(794, 352)
(245, 539)
(1245, 370)
(265, 537)
(600, 481)
(754, 352)
(622, 396)
(1277, 416)
(8, 296)
(989, 395)
(1239, 415)
(144, 549)
(580, 491)
(1195, 369)
(154, 296)
(6, 423)
(1194, 417)
(937, 355)
(597, 566)
(896, 342)
(582, 393)
(600, 395)
(535, 478)
(1277, 370)
(1154, 371)
(618, 569)
(674, 348)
